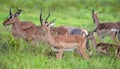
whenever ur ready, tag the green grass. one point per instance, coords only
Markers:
(17, 54)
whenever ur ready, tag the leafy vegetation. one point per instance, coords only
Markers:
(18, 54)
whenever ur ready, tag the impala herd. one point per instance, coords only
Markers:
(64, 38)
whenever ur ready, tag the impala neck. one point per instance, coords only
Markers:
(49, 37)
(18, 28)
(94, 41)
(95, 19)
(92, 38)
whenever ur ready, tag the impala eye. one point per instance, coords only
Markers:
(10, 16)
(47, 24)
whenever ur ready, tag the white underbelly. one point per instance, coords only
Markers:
(56, 49)
(69, 45)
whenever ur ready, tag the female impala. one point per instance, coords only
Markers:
(108, 28)
(63, 43)
(103, 47)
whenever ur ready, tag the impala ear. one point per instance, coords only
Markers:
(18, 12)
(52, 22)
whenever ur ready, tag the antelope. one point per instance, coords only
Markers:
(26, 30)
(13, 19)
(62, 30)
(105, 28)
(102, 47)
(56, 30)
(32, 33)
(61, 43)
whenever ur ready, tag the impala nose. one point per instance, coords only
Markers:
(4, 24)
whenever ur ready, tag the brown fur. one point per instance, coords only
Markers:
(29, 34)
(27, 30)
(103, 29)
(118, 51)
(104, 47)
(24, 24)
(62, 30)
(107, 25)
(62, 42)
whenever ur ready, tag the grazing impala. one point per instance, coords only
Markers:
(13, 19)
(108, 28)
(63, 43)
(103, 47)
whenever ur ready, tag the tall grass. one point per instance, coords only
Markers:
(18, 54)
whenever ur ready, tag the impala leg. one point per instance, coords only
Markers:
(99, 35)
(59, 54)
(113, 36)
(84, 53)
(82, 50)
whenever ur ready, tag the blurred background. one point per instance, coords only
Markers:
(17, 54)
(66, 12)
(61, 5)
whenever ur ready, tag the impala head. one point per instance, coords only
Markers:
(12, 17)
(90, 36)
(46, 26)
(45, 21)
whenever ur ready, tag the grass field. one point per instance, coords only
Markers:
(17, 54)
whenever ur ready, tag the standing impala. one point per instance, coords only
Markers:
(108, 28)
(28, 31)
(63, 43)
(13, 19)
(62, 30)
